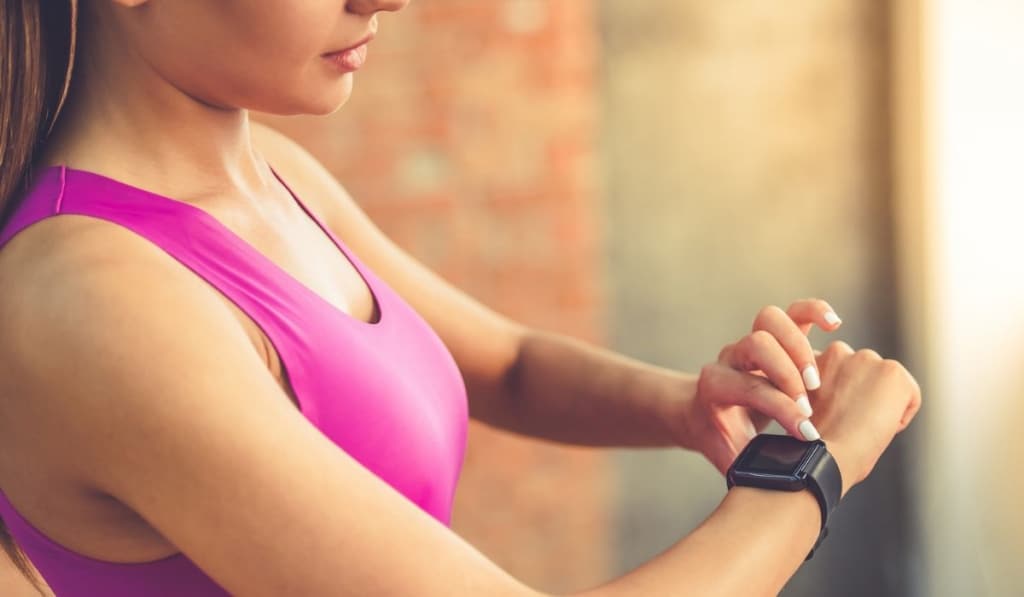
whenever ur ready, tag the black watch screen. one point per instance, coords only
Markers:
(782, 462)
(777, 457)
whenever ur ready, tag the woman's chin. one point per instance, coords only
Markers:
(329, 99)
(337, 96)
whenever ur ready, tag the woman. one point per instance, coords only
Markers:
(216, 394)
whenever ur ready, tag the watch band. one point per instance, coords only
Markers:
(826, 483)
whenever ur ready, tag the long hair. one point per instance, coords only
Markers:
(37, 49)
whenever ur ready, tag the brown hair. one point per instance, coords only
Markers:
(37, 48)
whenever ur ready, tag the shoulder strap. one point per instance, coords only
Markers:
(184, 232)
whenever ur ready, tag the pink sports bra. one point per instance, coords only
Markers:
(387, 392)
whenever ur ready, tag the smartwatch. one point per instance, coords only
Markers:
(784, 463)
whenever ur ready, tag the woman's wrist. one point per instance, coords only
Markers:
(788, 520)
(675, 408)
(841, 454)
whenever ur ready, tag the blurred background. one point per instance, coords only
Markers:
(646, 175)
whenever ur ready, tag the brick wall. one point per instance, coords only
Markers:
(470, 139)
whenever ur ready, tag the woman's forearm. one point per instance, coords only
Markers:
(751, 545)
(565, 390)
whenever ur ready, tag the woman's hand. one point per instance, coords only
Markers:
(764, 376)
(863, 402)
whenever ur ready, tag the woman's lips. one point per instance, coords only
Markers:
(353, 57)
(348, 60)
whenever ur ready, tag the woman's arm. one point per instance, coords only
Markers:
(566, 390)
(750, 546)
(177, 417)
(569, 391)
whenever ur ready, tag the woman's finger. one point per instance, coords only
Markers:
(762, 352)
(777, 323)
(737, 388)
(809, 312)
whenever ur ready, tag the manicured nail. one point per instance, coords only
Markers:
(804, 405)
(832, 319)
(811, 379)
(808, 430)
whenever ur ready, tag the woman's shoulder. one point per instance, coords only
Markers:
(63, 270)
(92, 306)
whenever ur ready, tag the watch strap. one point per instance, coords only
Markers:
(826, 482)
(821, 537)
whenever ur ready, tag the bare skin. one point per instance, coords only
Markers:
(131, 467)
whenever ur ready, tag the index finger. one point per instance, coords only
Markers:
(808, 312)
(786, 330)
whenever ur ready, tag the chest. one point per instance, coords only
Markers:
(389, 394)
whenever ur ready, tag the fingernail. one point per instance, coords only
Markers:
(808, 430)
(811, 379)
(832, 319)
(804, 405)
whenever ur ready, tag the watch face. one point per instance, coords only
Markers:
(774, 455)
